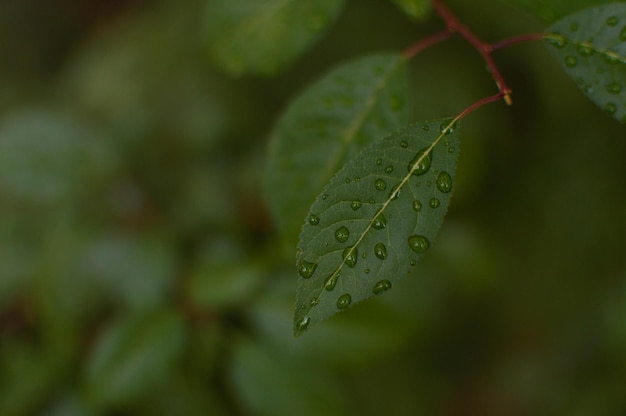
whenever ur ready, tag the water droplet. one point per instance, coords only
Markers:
(395, 193)
(434, 203)
(412, 262)
(573, 27)
(610, 108)
(425, 160)
(557, 42)
(306, 269)
(451, 149)
(314, 219)
(324, 197)
(389, 169)
(342, 234)
(444, 182)
(610, 57)
(583, 50)
(570, 61)
(379, 161)
(614, 88)
(344, 301)
(371, 201)
(380, 222)
(366, 271)
(418, 243)
(381, 286)
(443, 128)
(622, 34)
(425, 127)
(331, 282)
(348, 180)
(612, 21)
(350, 255)
(417, 205)
(356, 204)
(303, 323)
(380, 184)
(395, 103)
(380, 251)
(404, 144)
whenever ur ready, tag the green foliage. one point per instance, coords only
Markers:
(591, 46)
(552, 10)
(375, 219)
(264, 36)
(327, 125)
(416, 9)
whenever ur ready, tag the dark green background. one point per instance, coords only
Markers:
(140, 271)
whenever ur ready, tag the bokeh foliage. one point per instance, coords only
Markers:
(141, 271)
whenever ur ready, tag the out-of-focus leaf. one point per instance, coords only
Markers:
(591, 47)
(416, 9)
(264, 36)
(347, 110)
(132, 357)
(48, 158)
(272, 385)
(136, 272)
(375, 219)
(551, 10)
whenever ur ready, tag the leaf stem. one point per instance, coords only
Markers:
(422, 44)
(485, 49)
(517, 39)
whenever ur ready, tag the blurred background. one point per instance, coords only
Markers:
(141, 273)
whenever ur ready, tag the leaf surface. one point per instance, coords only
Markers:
(552, 10)
(344, 112)
(416, 9)
(591, 47)
(263, 36)
(375, 220)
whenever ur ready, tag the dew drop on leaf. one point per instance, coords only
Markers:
(425, 160)
(584, 51)
(331, 282)
(389, 169)
(614, 88)
(434, 203)
(404, 144)
(303, 323)
(380, 184)
(314, 219)
(350, 255)
(612, 21)
(419, 243)
(557, 42)
(570, 61)
(314, 302)
(342, 234)
(380, 251)
(444, 182)
(355, 205)
(306, 269)
(412, 262)
(395, 193)
(344, 301)
(380, 222)
(381, 287)
(417, 205)
(610, 108)
(451, 149)
(366, 271)
(379, 161)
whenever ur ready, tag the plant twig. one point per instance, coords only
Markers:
(517, 39)
(426, 42)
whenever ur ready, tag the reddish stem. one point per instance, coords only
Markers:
(454, 25)
(419, 46)
(517, 39)
(500, 95)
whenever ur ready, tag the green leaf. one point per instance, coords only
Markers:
(591, 46)
(551, 10)
(416, 9)
(264, 36)
(347, 110)
(375, 219)
(133, 356)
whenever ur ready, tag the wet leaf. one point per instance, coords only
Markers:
(347, 110)
(591, 47)
(551, 10)
(264, 36)
(375, 219)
